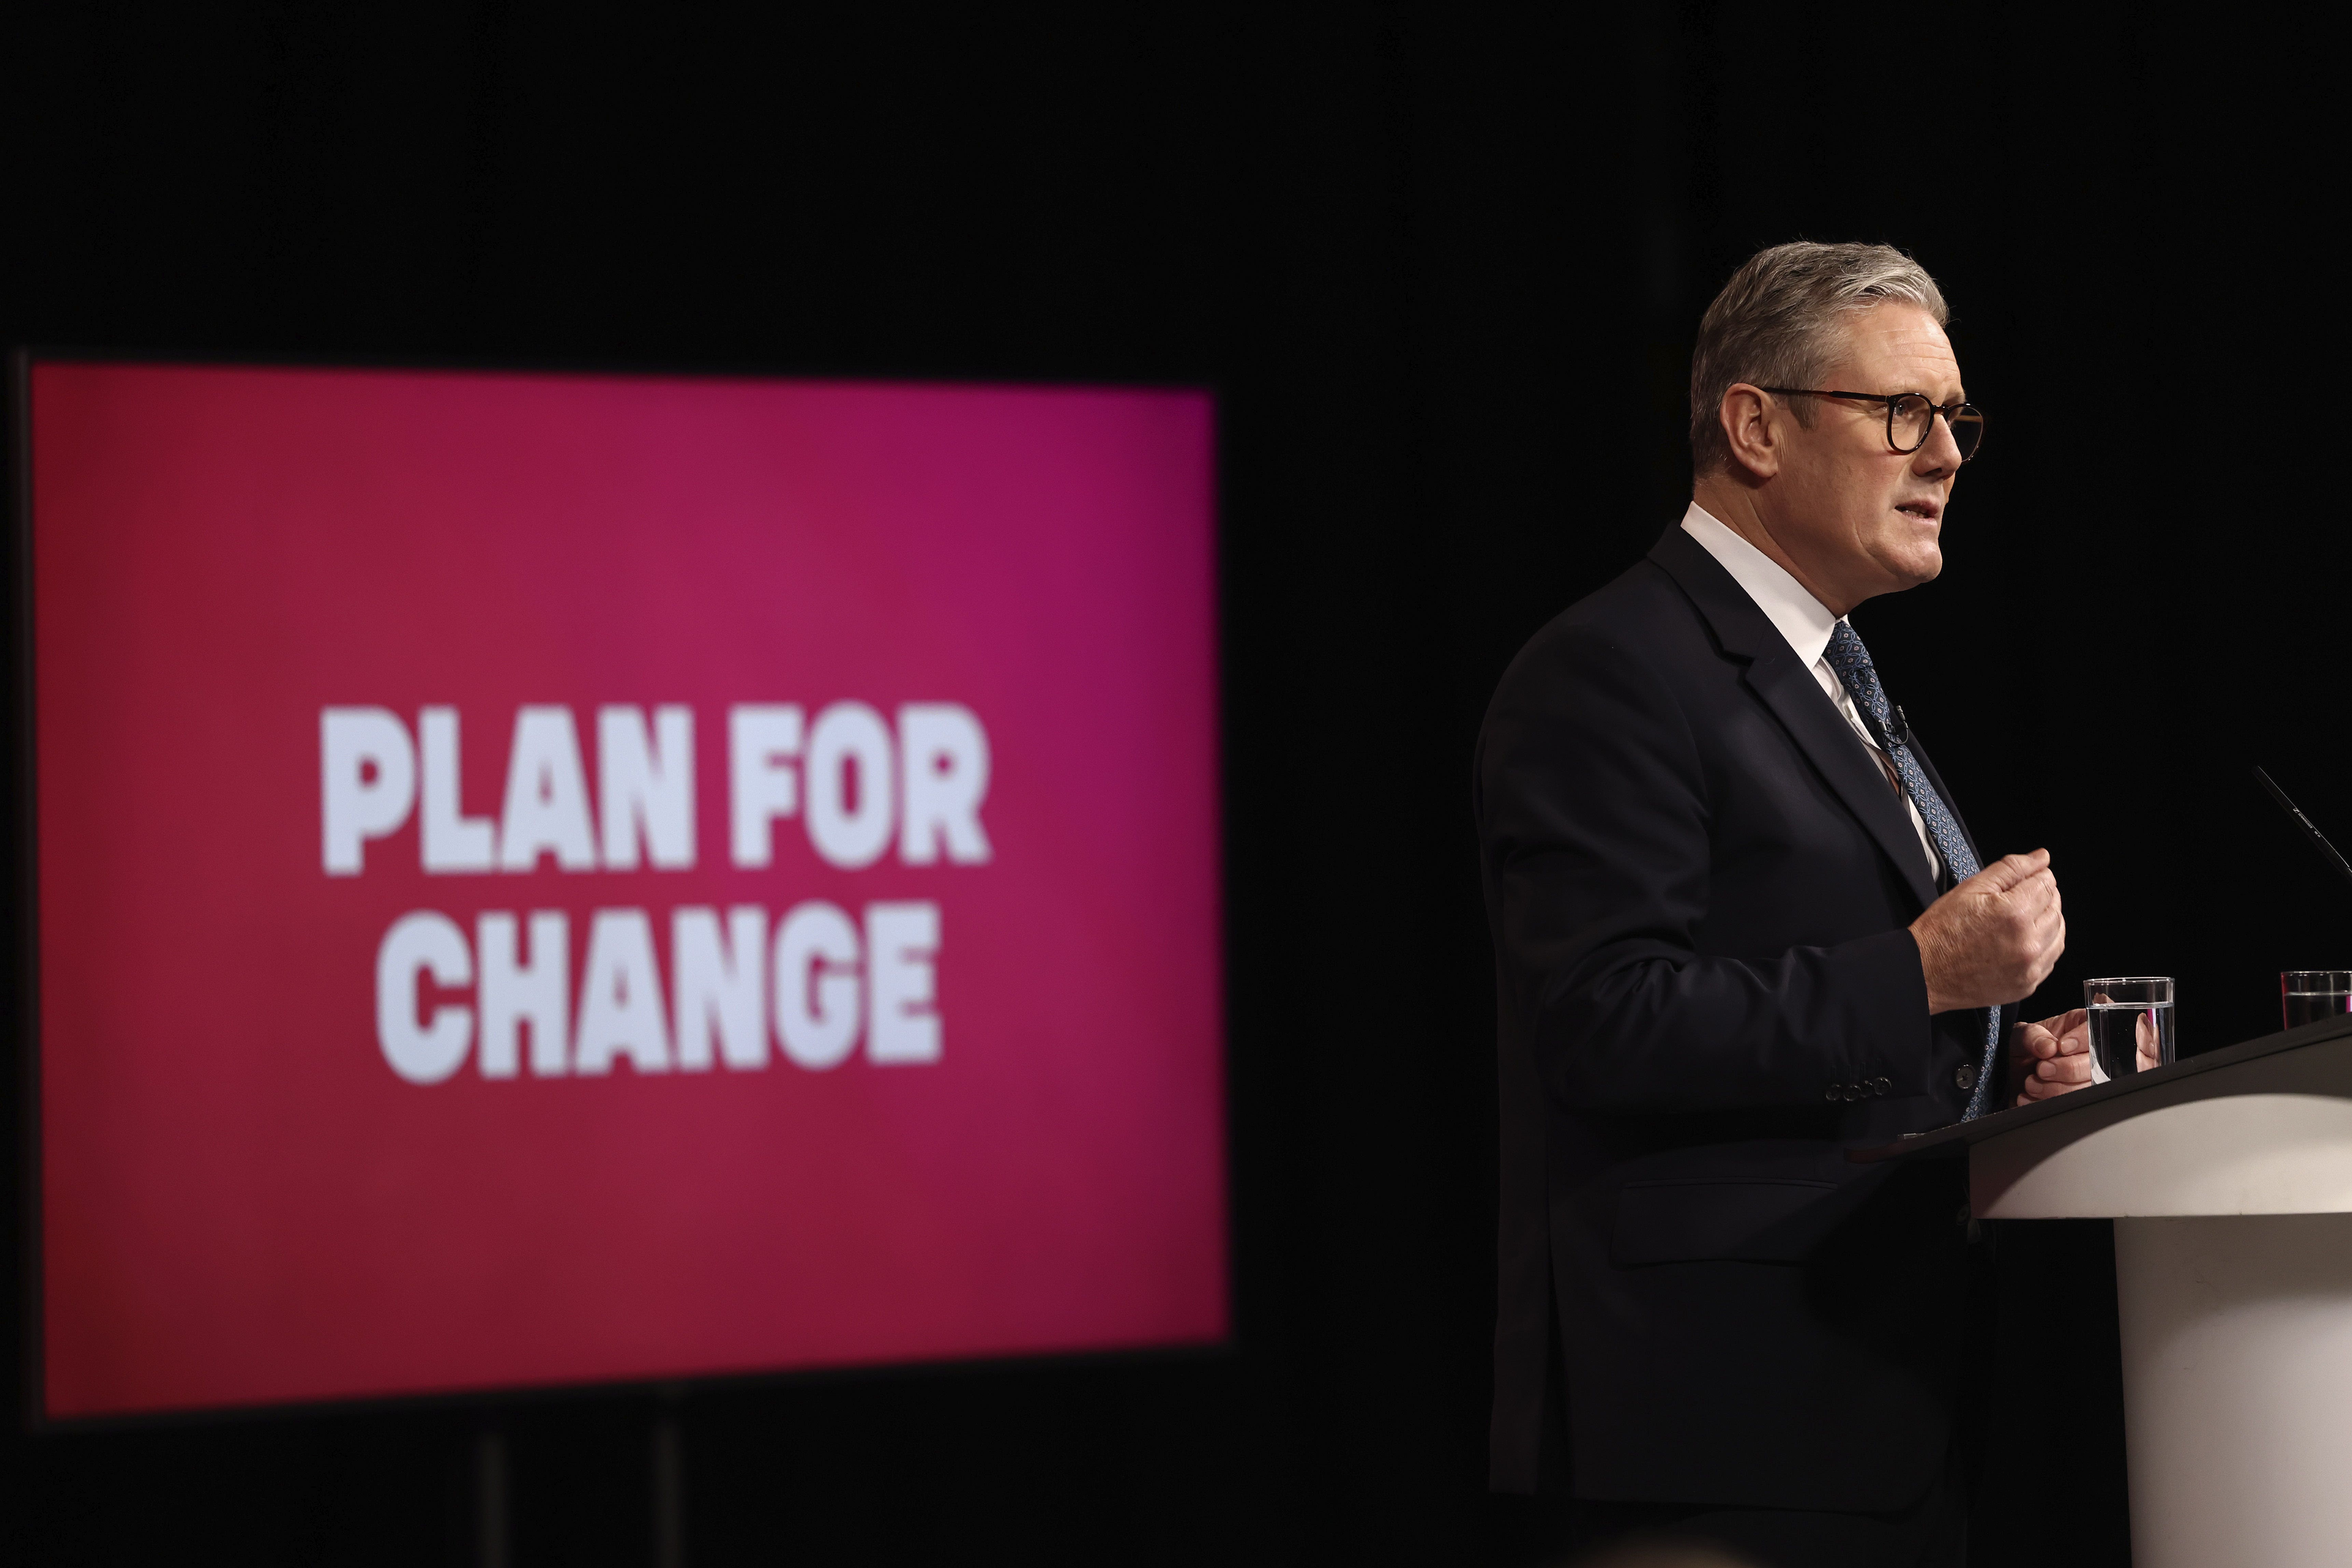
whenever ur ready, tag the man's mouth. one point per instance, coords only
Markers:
(1924, 511)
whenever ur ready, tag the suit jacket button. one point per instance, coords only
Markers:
(1965, 1075)
(1830, 1093)
(1880, 1085)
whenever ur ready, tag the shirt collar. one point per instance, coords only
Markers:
(1802, 620)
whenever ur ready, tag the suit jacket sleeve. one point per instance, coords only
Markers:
(1594, 818)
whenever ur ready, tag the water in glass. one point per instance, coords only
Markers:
(2307, 996)
(2130, 1024)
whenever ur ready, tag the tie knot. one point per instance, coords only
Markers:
(1848, 657)
(1856, 673)
(1845, 650)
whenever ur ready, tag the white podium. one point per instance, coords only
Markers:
(2229, 1177)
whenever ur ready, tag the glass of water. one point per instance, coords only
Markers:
(2131, 1025)
(2307, 996)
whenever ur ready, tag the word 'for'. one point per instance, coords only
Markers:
(855, 784)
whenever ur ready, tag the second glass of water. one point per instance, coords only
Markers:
(2307, 996)
(2131, 1025)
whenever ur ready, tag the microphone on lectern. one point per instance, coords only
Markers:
(2319, 839)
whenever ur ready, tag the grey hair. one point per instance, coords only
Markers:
(1781, 322)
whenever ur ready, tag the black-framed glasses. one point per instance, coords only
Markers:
(1911, 417)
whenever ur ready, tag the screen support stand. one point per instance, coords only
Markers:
(669, 1480)
(490, 1497)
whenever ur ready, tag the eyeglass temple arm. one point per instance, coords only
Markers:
(1888, 398)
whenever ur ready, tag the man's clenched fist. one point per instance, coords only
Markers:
(1994, 938)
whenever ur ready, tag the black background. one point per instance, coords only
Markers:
(1443, 264)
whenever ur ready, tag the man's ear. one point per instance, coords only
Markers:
(1753, 426)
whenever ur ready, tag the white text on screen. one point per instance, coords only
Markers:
(814, 981)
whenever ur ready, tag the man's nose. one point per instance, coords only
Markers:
(1941, 452)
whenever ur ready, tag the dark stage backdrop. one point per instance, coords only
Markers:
(1443, 264)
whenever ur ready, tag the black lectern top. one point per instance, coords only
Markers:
(1950, 1142)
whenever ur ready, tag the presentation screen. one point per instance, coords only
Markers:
(560, 878)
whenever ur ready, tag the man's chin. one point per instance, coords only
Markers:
(1912, 567)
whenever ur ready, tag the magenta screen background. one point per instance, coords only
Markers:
(240, 1203)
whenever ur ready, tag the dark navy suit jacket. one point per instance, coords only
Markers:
(1698, 882)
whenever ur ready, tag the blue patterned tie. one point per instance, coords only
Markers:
(1851, 661)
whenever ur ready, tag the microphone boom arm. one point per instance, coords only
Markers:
(2319, 839)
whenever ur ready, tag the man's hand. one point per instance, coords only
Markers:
(1994, 938)
(2051, 1056)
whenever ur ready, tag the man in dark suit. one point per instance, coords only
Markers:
(1740, 927)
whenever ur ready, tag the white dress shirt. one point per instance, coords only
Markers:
(1807, 622)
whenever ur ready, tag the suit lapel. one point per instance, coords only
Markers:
(1796, 698)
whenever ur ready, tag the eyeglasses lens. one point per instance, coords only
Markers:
(1909, 421)
(1967, 429)
(1913, 419)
